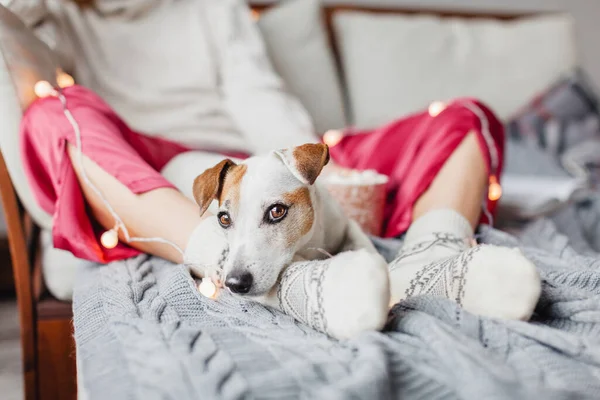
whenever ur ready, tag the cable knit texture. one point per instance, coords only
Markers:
(143, 331)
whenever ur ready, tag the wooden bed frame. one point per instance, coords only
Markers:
(48, 348)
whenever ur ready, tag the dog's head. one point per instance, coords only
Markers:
(266, 210)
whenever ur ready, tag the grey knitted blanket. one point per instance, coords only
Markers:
(143, 331)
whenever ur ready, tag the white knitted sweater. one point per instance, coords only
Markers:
(193, 71)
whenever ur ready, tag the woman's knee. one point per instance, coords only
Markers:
(41, 126)
(469, 158)
(487, 118)
(488, 131)
(41, 111)
(46, 120)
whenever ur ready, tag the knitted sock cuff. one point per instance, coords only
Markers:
(440, 221)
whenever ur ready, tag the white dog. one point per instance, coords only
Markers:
(274, 226)
(272, 217)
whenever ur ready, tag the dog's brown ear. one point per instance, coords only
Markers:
(208, 185)
(306, 162)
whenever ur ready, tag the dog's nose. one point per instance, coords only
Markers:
(239, 281)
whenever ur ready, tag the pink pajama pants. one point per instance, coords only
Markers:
(410, 151)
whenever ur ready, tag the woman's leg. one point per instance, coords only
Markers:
(460, 185)
(122, 164)
(439, 257)
(163, 212)
(438, 167)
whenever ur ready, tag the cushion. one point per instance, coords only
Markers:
(59, 268)
(24, 60)
(554, 143)
(297, 45)
(564, 122)
(561, 117)
(398, 64)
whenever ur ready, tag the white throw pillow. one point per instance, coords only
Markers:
(397, 64)
(59, 268)
(24, 60)
(299, 50)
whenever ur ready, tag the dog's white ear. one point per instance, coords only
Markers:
(306, 162)
(208, 185)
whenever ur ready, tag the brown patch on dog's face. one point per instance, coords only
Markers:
(231, 185)
(301, 214)
(310, 160)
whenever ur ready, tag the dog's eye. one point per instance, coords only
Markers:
(224, 219)
(277, 212)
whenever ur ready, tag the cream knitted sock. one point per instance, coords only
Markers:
(440, 258)
(342, 296)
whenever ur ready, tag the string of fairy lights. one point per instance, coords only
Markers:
(110, 238)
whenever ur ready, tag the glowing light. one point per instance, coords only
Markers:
(207, 288)
(64, 80)
(436, 107)
(333, 137)
(494, 189)
(109, 239)
(44, 89)
(255, 15)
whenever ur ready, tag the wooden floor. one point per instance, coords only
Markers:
(10, 352)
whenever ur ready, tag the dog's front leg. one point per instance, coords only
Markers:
(342, 296)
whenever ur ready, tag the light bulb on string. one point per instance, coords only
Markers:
(333, 137)
(44, 89)
(110, 239)
(436, 107)
(207, 288)
(64, 80)
(494, 189)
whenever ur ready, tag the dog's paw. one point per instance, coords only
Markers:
(356, 293)
(207, 248)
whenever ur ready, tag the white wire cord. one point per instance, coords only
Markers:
(118, 221)
(487, 213)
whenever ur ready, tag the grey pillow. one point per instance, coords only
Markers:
(297, 45)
